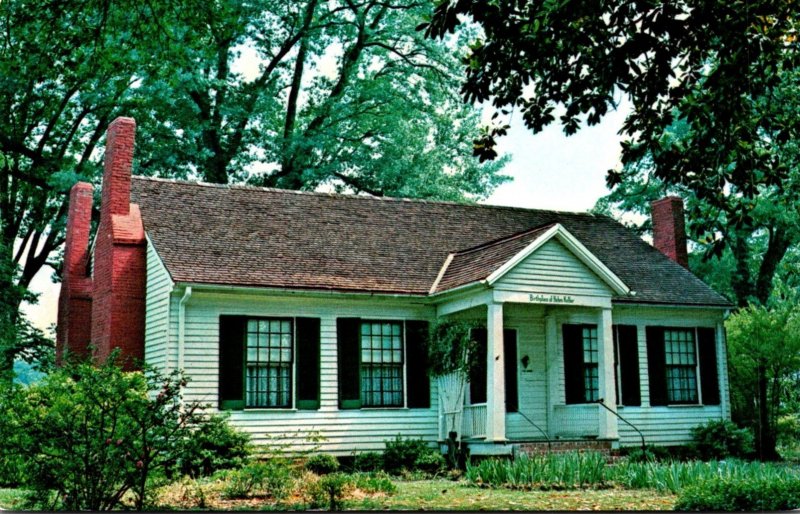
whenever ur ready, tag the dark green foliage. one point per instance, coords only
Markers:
(214, 445)
(374, 482)
(272, 478)
(451, 347)
(749, 494)
(244, 482)
(712, 66)
(721, 439)
(322, 464)
(368, 461)
(430, 462)
(649, 454)
(12, 470)
(403, 453)
(331, 489)
(89, 435)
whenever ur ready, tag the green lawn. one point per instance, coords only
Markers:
(441, 494)
(449, 495)
(11, 499)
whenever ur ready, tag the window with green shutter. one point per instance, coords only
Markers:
(581, 363)
(261, 358)
(682, 365)
(382, 363)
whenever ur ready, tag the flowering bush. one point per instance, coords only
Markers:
(90, 434)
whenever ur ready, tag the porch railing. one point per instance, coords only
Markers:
(474, 421)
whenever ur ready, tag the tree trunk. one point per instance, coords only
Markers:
(777, 247)
(766, 435)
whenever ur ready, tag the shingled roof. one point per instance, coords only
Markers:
(246, 236)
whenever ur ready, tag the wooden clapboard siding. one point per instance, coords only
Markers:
(343, 431)
(667, 425)
(664, 425)
(553, 269)
(157, 311)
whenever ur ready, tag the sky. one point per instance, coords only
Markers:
(549, 171)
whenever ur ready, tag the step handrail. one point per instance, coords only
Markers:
(602, 403)
(529, 420)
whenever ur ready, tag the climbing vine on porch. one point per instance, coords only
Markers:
(451, 348)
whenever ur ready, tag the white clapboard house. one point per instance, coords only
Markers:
(306, 313)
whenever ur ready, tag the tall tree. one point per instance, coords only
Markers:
(706, 62)
(764, 345)
(749, 250)
(747, 258)
(66, 69)
(386, 121)
(346, 95)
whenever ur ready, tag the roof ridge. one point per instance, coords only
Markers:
(347, 196)
(505, 239)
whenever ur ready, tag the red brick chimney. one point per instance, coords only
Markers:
(669, 229)
(73, 332)
(119, 255)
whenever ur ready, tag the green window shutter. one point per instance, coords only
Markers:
(349, 355)
(307, 336)
(232, 333)
(709, 380)
(419, 383)
(573, 363)
(477, 372)
(629, 364)
(510, 354)
(656, 365)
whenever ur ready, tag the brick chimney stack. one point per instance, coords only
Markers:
(119, 255)
(73, 332)
(669, 229)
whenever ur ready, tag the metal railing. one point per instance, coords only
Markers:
(537, 427)
(602, 403)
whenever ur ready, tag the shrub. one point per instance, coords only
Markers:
(242, 483)
(403, 453)
(90, 434)
(368, 461)
(278, 482)
(330, 491)
(322, 464)
(721, 439)
(374, 482)
(649, 454)
(748, 494)
(213, 446)
(430, 462)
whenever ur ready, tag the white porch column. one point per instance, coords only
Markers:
(607, 386)
(495, 374)
(554, 395)
(722, 371)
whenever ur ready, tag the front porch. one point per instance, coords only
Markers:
(547, 344)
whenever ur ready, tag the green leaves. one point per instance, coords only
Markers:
(713, 62)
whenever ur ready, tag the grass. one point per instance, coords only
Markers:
(431, 494)
(444, 494)
(11, 499)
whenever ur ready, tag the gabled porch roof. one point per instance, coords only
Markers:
(490, 262)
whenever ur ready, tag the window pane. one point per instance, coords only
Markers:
(680, 359)
(269, 374)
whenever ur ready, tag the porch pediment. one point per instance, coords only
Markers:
(547, 261)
